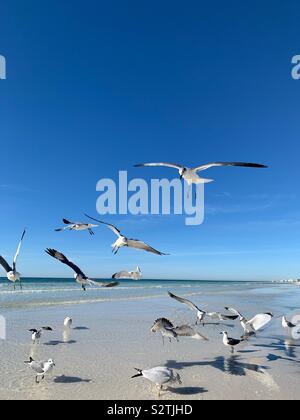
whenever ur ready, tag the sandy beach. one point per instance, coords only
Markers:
(96, 359)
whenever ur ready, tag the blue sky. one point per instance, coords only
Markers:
(94, 87)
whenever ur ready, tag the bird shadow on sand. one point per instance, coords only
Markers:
(70, 380)
(287, 347)
(58, 342)
(188, 390)
(231, 365)
(80, 328)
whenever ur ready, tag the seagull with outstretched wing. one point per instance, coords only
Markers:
(254, 324)
(80, 277)
(200, 314)
(191, 176)
(122, 241)
(77, 226)
(11, 272)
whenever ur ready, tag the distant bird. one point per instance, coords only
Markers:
(77, 226)
(254, 324)
(159, 376)
(11, 272)
(68, 322)
(37, 334)
(221, 317)
(40, 368)
(80, 277)
(200, 314)
(123, 241)
(190, 175)
(230, 342)
(130, 275)
(287, 324)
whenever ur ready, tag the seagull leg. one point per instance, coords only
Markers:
(91, 232)
(159, 389)
(116, 251)
(14, 287)
(37, 380)
(21, 285)
(84, 288)
(163, 340)
(232, 350)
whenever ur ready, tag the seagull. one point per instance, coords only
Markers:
(200, 314)
(190, 175)
(221, 317)
(123, 241)
(36, 334)
(77, 226)
(230, 342)
(159, 376)
(41, 368)
(254, 324)
(287, 324)
(11, 272)
(165, 327)
(80, 277)
(68, 322)
(132, 275)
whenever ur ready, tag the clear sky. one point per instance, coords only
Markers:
(94, 87)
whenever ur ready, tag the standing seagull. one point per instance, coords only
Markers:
(200, 314)
(190, 175)
(68, 322)
(123, 241)
(254, 324)
(131, 275)
(40, 368)
(80, 277)
(230, 342)
(11, 272)
(159, 376)
(77, 226)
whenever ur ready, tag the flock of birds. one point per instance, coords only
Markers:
(158, 375)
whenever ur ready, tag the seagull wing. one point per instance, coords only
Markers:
(121, 275)
(109, 225)
(67, 222)
(102, 284)
(216, 164)
(168, 165)
(187, 302)
(234, 311)
(62, 258)
(18, 249)
(38, 367)
(135, 243)
(5, 264)
(259, 321)
(188, 331)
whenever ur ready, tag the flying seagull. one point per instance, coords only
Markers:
(159, 376)
(80, 277)
(11, 272)
(230, 342)
(36, 334)
(190, 175)
(123, 241)
(40, 368)
(287, 324)
(200, 314)
(254, 324)
(131, 275)
(77, 226)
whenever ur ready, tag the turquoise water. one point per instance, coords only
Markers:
(46, 292)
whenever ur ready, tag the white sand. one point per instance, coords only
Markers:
(99, 361)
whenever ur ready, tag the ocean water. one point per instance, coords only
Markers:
(38, 292)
